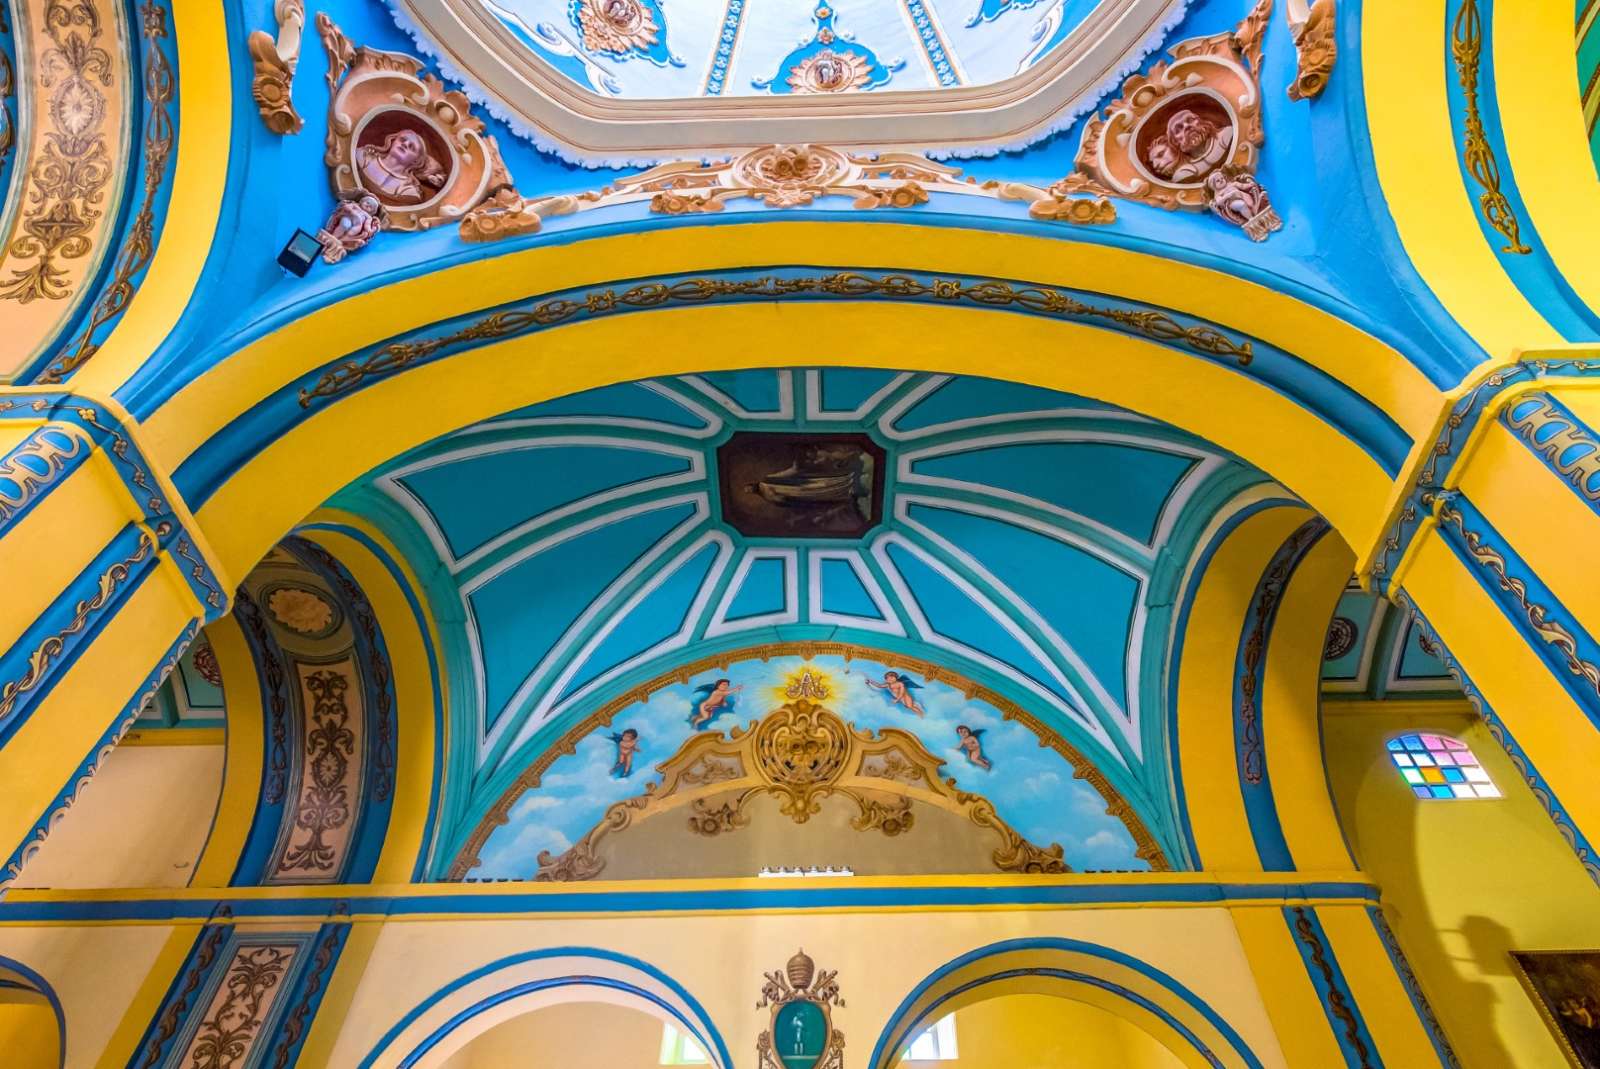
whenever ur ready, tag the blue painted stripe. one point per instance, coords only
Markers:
(933, 45)
(1576, 463)
(41, 462)
(727, 40)
(1501, 572)
(50, 646)
(733, 900)
(1179, 630)
(305, 995)
(42, 986)
(705, 1032)
(1532, 270)
(202, 961)
(421, 619)
(1322, 967)
(1408, 980)
(1249, 710)
(898, 1030)
(1525, 767)
(203, 473)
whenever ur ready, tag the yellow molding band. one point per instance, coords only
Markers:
(198, 185)
(242, 763)
(179, 736)
(1348, 354)
(1289, 703)
(1209, 756)
(1385, 1004)
(413, 699)
(1293, 1006)
(1546, 139)
(122, 1050)
(1404, 58)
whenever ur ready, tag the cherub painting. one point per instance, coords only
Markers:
(711, 700)
(627, 749)
(897, 690)
(972, 745)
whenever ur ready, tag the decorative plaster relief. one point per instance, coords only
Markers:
(403, 152)
(779, 176)
(1186, 134)
(240, 1007)
(275, 62)
(74, 60)
(801, 1031)
(1316, 43)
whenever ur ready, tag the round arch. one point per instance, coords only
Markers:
(460, 1011)
(26, 1001)
(1069, 968)
(292, 414)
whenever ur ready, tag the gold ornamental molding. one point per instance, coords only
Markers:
(779, 176)
(1146, 848)
(798, 755)
(75, 91)
(581, 125)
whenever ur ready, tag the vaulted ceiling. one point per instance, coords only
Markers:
(1029, 541)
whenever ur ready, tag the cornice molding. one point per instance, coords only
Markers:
(474, 48)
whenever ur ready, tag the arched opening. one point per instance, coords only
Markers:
(1017, 994)
(527, 1002)
(1036, 1029)
(32, 1030)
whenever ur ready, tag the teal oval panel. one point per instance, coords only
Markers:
(800, 1035)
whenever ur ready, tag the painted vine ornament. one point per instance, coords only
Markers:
(403, 152)
(801, 1033)
(1185, 135)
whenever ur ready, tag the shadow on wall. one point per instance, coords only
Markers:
(1464, 882)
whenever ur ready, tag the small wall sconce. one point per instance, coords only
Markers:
(300, 253)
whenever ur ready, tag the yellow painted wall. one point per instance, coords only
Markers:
(141, 822)
(1045, 1032)
(577, 1035)
(28, 1034)
(1465, 882)
(720, 960)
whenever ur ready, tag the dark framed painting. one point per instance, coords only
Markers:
(801, 485)
(1565, 986)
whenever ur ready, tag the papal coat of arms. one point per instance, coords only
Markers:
(802, 1035)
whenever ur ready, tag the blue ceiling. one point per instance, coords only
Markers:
(1030, 541)
(673, 48)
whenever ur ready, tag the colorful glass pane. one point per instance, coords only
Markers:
(1438, 766)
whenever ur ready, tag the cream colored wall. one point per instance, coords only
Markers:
(880, 957)
(1044, 1032)
(1465, 882)
(577, 1035)
(141, 822)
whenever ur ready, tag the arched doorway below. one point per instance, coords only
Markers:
(1028, 1030)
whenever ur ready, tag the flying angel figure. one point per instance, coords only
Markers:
(897, 689)
(627, 747)
(711, 700)
(972, 745)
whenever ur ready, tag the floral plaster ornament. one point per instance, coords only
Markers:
(1186, 135)
(624, 29)
(301, 611)
(398, 136)
(830, 62)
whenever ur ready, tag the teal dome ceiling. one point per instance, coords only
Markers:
(708, 48)
(1032, 542)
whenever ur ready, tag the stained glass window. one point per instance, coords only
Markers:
(1438, 766)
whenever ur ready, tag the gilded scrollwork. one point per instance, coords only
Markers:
(799, 755)
(138, 243)
(988, 293)
(72, 172)
(1466, 48)
(275, 61)
(876, 764)
(330, 785)
(37, 464)
(778, 176)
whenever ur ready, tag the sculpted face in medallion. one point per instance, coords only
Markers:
(1194, 143)
(399, 165)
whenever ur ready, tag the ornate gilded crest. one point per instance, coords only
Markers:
(799, 755)
(1186, 134)
(801, 1035)
(398, 136)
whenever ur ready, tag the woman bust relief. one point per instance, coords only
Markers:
(400, 169)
